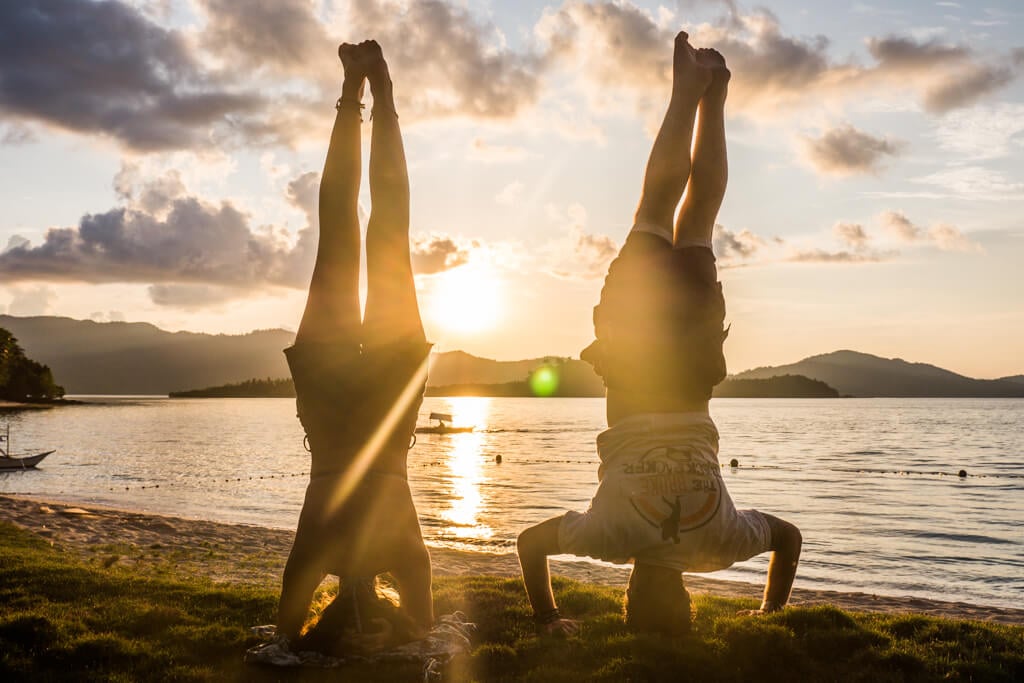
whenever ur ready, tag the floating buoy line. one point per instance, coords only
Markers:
(733, 465)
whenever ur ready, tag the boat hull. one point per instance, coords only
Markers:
(24, 463)
(443, 430)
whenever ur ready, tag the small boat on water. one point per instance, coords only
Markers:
(10, 462)
(443, 426)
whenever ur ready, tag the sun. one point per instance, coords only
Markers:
(467, 300)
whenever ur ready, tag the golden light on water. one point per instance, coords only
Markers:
(465, 463)
(467, 299)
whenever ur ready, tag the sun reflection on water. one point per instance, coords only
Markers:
(465, 468)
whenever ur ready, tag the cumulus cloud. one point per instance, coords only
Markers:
(618, 47)
(729, 245)
(747, 248)
(183, 245)
(941, 235)
(948, 76)
(846, 151)
(438, 253)
(852, 234)
(31, 301)
(105, 68)
(285, 35)
(469, 72)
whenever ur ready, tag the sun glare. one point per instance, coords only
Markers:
(466, 300)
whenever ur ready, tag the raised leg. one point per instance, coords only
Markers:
(709, 172)
(332, 306)
(668, 167)
(392, 312)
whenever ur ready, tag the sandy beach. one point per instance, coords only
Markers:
(240, 553)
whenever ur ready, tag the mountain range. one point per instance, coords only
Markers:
(89, 357)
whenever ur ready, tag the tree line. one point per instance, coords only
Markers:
(21, 378)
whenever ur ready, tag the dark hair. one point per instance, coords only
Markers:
(359, 609)
(657, 601)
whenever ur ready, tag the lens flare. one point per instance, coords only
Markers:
(544, 381)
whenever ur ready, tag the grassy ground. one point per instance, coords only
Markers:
(62, 618)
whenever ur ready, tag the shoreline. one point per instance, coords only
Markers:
(241, 553)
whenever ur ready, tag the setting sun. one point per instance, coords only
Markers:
(466, 299)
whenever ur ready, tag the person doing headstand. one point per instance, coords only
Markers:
(659, 327)
(360, 383)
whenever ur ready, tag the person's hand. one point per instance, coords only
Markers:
(561, 627)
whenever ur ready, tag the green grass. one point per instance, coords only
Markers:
(62, 618)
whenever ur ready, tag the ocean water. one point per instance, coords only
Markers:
(872, 483)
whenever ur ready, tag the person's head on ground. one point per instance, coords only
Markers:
(360, 620)
(657, 601)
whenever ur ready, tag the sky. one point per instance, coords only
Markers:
(159, 162)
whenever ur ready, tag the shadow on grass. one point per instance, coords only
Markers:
(61, 619)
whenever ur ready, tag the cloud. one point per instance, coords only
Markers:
(510, 194)
(438, 253)
(948, 76)
(974, 182)
(824, 256)
(105, 68)
(488, 153)
(941, 235)
(852, 234)
(618, 48)
(577, 254)
(846, 151)
(982, 132)
(163, 236)
(452, 63)
(14, 134)
(31, 301)
(284, 35)
(730, 245)
(900, 226)
(191, 297)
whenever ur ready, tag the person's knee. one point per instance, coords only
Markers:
(786, 537)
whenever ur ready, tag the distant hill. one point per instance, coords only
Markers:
(87, 357)
(782, 386)
(138, 358)
(252, 388)
(861, 374)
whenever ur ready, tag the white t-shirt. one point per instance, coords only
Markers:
(661, 499)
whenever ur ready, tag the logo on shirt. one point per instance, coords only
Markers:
(674, 490)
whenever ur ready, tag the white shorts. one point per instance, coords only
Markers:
(662, 500)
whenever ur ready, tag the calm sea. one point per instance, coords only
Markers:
(871, 482)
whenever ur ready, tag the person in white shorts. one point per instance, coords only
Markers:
(661, 502)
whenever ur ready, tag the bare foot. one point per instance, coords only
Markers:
(690, 78)
(720, 74)
(355, 71)
(376, 67)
